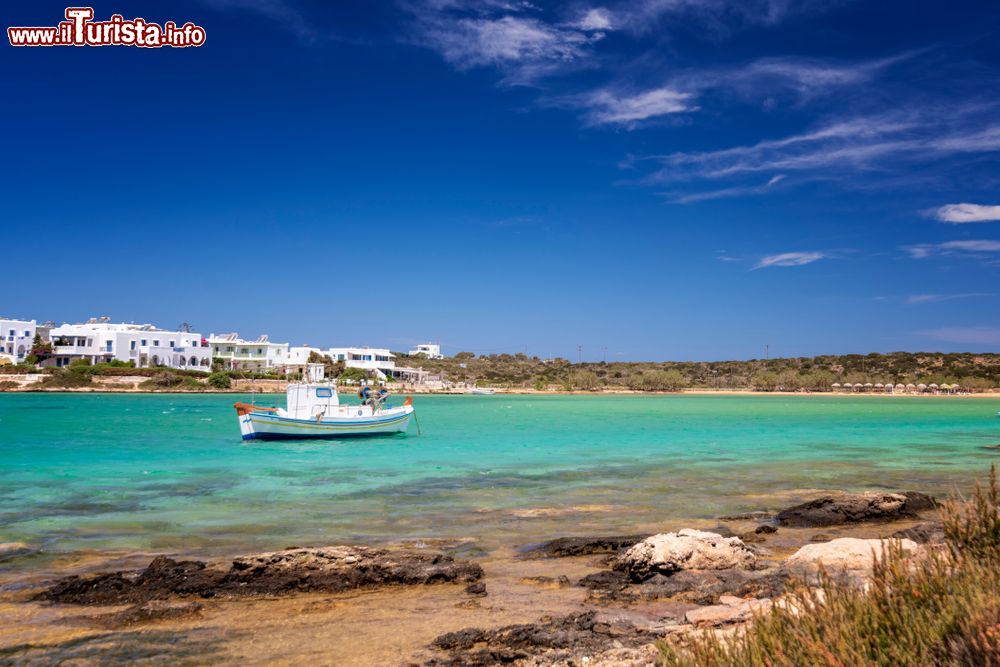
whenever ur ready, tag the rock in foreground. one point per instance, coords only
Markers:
(684, 550)
(563, 640)
(845, 553)
(837, 509)
(331, 569)
(583, 546)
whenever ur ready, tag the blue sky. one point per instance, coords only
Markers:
(654, 179)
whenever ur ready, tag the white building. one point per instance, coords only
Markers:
(379, 360)
(16, 337)
(298, 362)
(257, 355)
(429, 350)
(101, 340)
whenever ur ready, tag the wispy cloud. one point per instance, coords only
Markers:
(789, 259)
(875, 146)
(964, 247)
(918, 299)
(958, 214)
(510, 36)
(966, 335)
(725, 193)
(606, 107)
(770, 79)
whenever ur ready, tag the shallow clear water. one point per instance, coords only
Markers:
(169, 472)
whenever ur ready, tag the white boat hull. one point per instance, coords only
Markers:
(268, 426)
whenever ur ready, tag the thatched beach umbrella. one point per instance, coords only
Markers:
(879, 385)
(910, 386)
(900, 387)
(835, 385)
(932, 385)
(868, 385)
(922, 387)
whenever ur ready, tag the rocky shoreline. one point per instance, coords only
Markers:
(620, 594)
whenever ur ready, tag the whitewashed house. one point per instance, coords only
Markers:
(100, 340)
(16, 337)
(256, 355)
(298, 362)
(379, 360)
(429, 350)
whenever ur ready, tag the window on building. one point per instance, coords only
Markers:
(131, 345)
(156, 343)
(143, 342)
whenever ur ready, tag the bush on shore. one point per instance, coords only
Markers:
(7, 385)
(942, 610)
(220, 381)
(70, 377)
(168, 381)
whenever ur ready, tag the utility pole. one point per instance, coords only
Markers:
(604, 353)
(767, 351)
(579, 354)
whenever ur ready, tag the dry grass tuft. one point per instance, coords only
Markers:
(941, 610)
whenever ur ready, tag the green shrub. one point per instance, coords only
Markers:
(356, 374)
(585, 380)
(658, 380)
(170, 381)
(6, 385)
(943, 609)
(66, 378)
(220, 381)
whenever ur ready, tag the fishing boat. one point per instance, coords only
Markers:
(482, 392)
(314, 410)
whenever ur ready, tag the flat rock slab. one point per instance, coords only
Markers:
(846, 553)
(560, 639)
(330, 569)
(733, 610)
(844, 508)
(704, 587)
(154, 611)
(582, 546)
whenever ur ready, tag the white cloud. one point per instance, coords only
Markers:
(726, 193)
(790, 259)
(889, 147)
(509, 36)
(970, 247)
(958, 214)
(917, 299)
(595, 19)
(967, 335)
(607, 107)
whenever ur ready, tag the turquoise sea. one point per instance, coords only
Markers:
(170, 472)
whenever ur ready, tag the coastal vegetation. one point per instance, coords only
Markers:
(943, 609)
(969, 370)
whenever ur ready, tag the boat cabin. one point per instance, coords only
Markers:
(308, 401)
